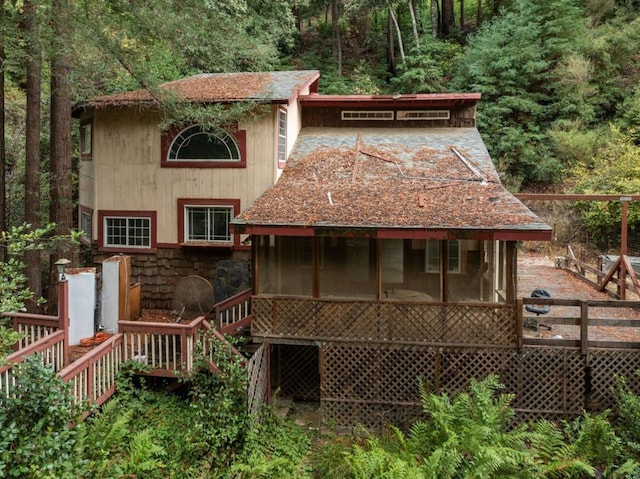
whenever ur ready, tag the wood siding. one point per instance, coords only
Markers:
(331, 117)
(125, 171)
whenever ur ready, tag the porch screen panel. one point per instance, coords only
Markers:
(475, 279)
(285, 265)
(403, 273)
(347, 267)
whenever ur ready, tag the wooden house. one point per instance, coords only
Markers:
(381, 241)
(386, 252)
(166, 196)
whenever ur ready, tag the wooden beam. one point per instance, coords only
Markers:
(576, 197)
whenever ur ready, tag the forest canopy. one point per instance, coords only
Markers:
(560, 80)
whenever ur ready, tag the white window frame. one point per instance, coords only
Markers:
(131, 235)
(185, 135)
(86, 140)
(432, 252)
(371, 115)
(282, 135)
(86, 226)
(209, 236)
(423, 115)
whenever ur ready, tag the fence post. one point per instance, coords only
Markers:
(63, 318)
(518, 325)
(584, 329)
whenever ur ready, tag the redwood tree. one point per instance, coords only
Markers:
(32, 143)
(60, 187)
(3, 150)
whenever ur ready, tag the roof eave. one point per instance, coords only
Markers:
(437, 100)
(530, 233)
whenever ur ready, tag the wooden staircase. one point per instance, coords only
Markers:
(169, 350)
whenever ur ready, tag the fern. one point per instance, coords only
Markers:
(469, 436)
(556, 454)
(144, 454)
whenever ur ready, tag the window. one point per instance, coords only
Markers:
(207, 222)
(199, 147)
(423, 115)
(85, 140)
(432, 256)
(85, 224)
(367, 115)
(129, 232)
(282, 137)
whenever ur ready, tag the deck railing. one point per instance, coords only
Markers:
(32, 327)
(572, 323)
(92, 377)
(410, 323)
(51, 350)
(166, 348)
(233, 313)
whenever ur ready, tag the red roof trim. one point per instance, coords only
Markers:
(398, 233)
(395, 101)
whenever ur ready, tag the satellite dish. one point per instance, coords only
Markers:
(192, 297)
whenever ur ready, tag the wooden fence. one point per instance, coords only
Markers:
(258, 371)
(297, 319)
(596, 277)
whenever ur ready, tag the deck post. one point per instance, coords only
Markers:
(584, 329)
(518, 326)
(63, 317)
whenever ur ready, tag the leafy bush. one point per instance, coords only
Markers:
(614, 169)
(274, 448)
(37, 436)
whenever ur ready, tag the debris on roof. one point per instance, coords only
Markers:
(219, 87)
(434, 178)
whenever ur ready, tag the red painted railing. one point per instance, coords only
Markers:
(168, 349)
(233, 313)
(51, 349)
(92, 377)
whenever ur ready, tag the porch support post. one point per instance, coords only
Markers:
(512, 272)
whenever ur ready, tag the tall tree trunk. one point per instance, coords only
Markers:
(32, 151)
(479, 16)
(60, 189)
(461, 14)
(3, 148)
(435, 19)
(337, 38)
(414, 24)
(391, 48)
(398, 32)
(448, 19)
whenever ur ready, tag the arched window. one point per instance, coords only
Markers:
(197, 143)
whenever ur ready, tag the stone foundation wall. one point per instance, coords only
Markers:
(228, 272)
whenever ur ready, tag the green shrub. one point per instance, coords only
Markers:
(37, 435)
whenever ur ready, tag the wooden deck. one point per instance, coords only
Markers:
(369, 354)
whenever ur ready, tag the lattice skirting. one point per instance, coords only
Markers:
(377, 384)
(294, 370)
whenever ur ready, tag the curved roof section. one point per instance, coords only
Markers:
(420, 179)
(277, 86)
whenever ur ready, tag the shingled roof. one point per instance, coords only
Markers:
(278, 86)
(420, 179)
